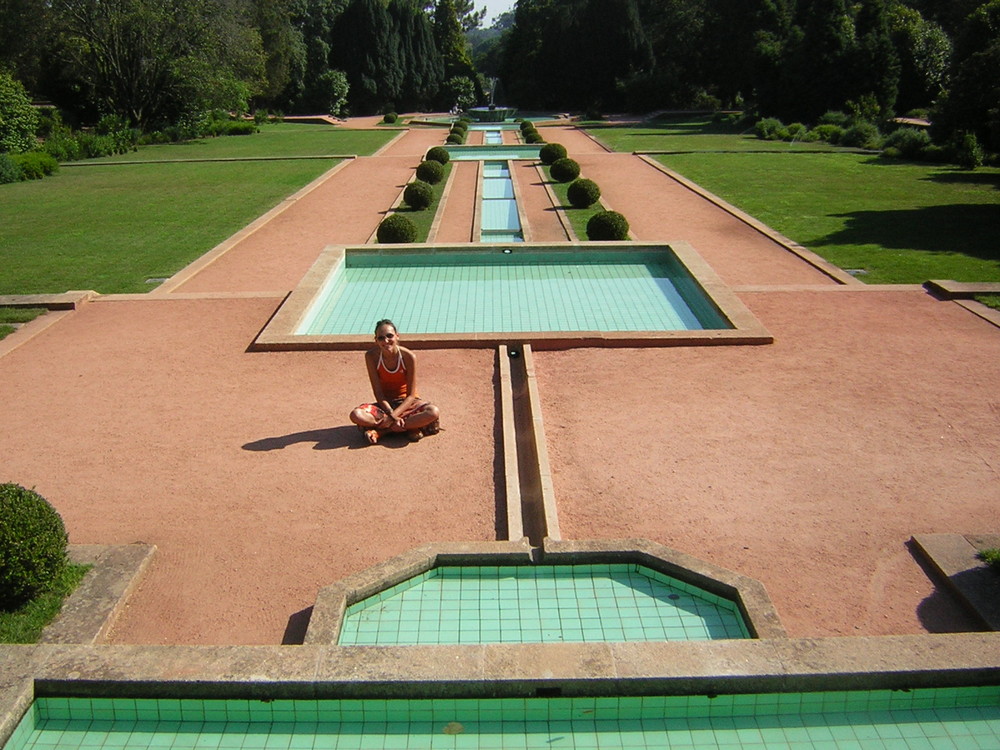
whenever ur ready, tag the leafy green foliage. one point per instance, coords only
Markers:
(431, 172)
(583, 193)
(550, 152)
(26, 623)
(908, 142)
(396, 228)
(32, 545)
(439, 154)
(991, 557)
(35, 165)
(564, 170)
(10, 170)
(607, 226)
(418, 195)
(389, 118)
(18, 119)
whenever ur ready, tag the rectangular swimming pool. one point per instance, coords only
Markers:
(511, 292)
(923, 718)
(480, 294)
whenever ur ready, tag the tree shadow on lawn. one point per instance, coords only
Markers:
(969, 229)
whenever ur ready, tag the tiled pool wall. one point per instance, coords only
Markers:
(954, 718)
(540, 604)
(500, 220)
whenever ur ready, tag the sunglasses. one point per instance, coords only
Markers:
(385, 337)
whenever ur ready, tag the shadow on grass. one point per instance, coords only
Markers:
(969, 229)
(964, 177)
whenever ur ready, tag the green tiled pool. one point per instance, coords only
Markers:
(509, 290)
(540, 604)
(500, 221)
(924, 719)
(493, 151)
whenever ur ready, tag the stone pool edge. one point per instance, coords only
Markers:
(278, 334)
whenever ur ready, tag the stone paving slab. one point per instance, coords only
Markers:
(954, 557)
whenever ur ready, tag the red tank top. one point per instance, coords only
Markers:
(393, 381)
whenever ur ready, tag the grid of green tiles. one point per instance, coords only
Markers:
(924, 719)
(540, 604)
(498, 204)
(496, 292)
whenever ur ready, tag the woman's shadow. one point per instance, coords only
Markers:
(345, 436)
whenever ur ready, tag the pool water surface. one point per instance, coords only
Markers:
(511, 290)
(921, 719)
(540, 604)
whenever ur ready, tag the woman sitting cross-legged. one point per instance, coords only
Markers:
(392, 370)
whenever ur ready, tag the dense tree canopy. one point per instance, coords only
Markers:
(155, 62)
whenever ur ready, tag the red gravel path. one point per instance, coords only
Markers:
(807, 463)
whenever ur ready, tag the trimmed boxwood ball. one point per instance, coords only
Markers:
(396, 228)
(439, 154)
(430, 172)
(454, 138)
(526, 125)
(552, 151)
(607, 226)
(32, 545)
(389, 118)
(418, 195)
(534, 137)
(564, 170)
(583, 193)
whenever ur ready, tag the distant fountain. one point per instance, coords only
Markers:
(492, 113)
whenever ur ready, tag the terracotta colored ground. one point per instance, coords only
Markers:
(807, 463)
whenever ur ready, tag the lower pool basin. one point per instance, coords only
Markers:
(955, 718)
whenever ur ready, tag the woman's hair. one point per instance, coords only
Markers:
(386, 322)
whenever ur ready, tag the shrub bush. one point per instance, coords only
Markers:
(430, 171)
(10, 170)
(607, 226)
(583, 193)
(32, 545)
(389, 118)
(550, 152)
(796, 131)
(439, 154)
(770, 129)
(834, 117)
(861, 135)
(18, 118)
(36, 164)
(968, 153)
(564, 170)
(459, 127)
(396, 228)
(534, 137)
(908, 142)
(991, 557)
(526, 125)
(829, 132)
(62, 144)
(418, 195)
(454, 139)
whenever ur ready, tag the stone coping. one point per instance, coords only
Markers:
(279, 333)
(953, 556)
(65, 301)
(314, 671)
(88, 614)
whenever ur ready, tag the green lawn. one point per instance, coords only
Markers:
(25, 625)
(899, 222)
(110, 228)
(423, 219)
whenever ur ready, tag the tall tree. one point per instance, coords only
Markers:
(423, 70)
(875, 62)
(924, 52)
(367, 49)
(450, 40)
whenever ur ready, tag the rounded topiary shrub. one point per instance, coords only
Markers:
(389, 118)
(583, 193)
(396, 228)
(454, 138)
(552, 151)
(526, 125)
(564, 170)
(607, 226)
(439, 154)
(534, 137)
(418, 195)
(32, 545)
(431, 172)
